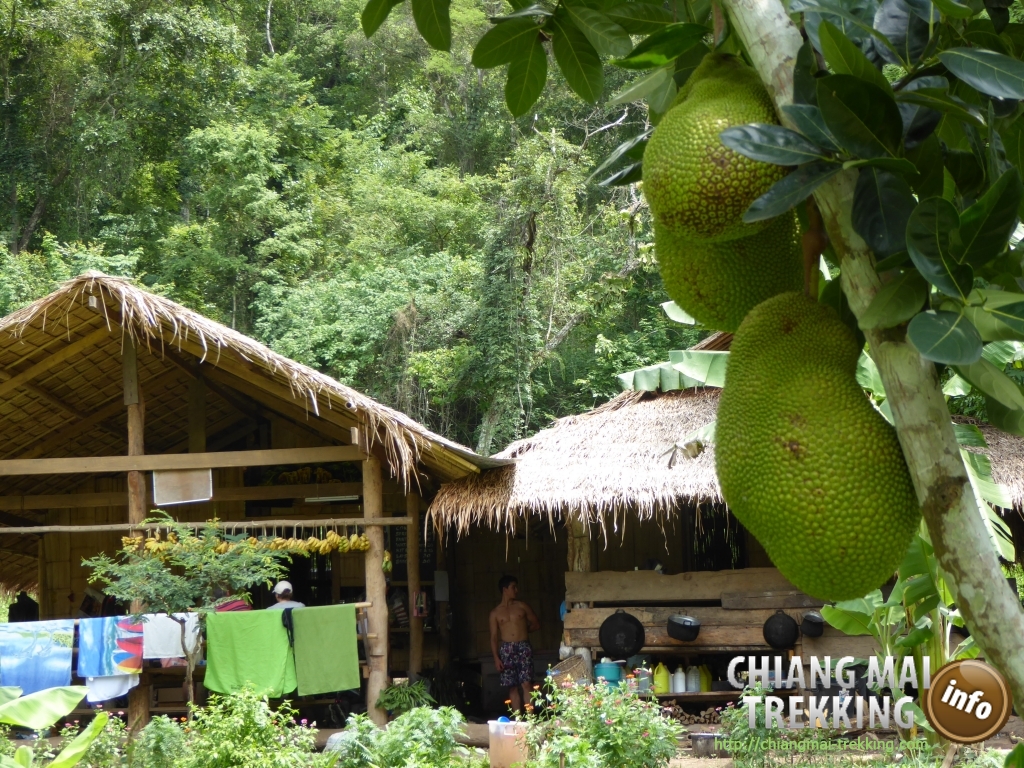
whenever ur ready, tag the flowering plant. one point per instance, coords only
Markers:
(594, 725)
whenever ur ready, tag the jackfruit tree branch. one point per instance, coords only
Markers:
(962, 543)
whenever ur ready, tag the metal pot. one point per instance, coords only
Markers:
(781, 631)
(622, 635)
(685, 628)
(813, 625)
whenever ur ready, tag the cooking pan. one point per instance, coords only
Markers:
(622, 635)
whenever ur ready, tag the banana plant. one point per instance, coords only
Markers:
(40, 710)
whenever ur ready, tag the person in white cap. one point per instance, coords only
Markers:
(283, 593)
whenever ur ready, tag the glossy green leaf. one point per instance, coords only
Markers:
(847, 622)
(897, 302)
(504, 42)
(953, 9)
(664, 46)
(43, 708)
(924, 9)
(918, 588)
(916, 636)
(9, 693)
(882, 204)
(845, 58)
(862, 117)
(915, 562)
(807, 119)
(957, 386)
(791, 190)
(891, 164)
(73, 753)
(942, 102)
(677, 314)
(375, 13)
(433, 22)
(999, 353)
(986, 226)
(661, 99)
(24, 756)
(631, 174)
(968, 435)
(642, 87)
(703, 366)
(527, 74)
(928, 232)
(868, 376)
(1009, 420)
(945, 337)
(771, 144)
(640, 18)
(576, 57)
(993, 383)
(607, 37)
(633, 148)
(1011, 315)
(987, 71)
(969, 649)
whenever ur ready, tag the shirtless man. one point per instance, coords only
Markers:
(511, 623)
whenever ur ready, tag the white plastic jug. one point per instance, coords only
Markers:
(507, 743)
(679, 681)
(693, 679)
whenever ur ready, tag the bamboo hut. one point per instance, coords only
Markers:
(606, 492)
(106, 388)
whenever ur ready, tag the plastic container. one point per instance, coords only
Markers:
(661, 679)
(679, 681)
(612, 673)
(507, 743)
(693, 679)
(643, 678)
(705, 678)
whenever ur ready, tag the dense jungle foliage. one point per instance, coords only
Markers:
(367, 207)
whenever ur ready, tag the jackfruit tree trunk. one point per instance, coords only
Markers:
(990, 608)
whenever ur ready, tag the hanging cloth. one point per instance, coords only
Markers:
(161, 635)
(326, 653)
(36, 655)
(107, 688)
(108, 646)
(248, 647)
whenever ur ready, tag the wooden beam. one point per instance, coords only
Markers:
(154, 462)
(120, 498)
(376, 591)
(412, 567)
(196, 416)
(630, 586)
(58, 357)
(371, 525)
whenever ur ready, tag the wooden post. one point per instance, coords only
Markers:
(196, 416)
(579, 545)
(376, 591)
(138, 698)
(443, 635)
(412, 561)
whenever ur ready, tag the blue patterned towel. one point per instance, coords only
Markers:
(35, 655)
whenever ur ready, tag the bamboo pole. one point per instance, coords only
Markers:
(376, 591)
(268, 523)
(412, 561)
(138, 698)
(992, 611)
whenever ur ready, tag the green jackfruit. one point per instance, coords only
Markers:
(697, 187)
(804, 460)
(718, 283)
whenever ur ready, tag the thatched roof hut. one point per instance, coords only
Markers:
(634, 454)
(62, 395)
(626, 456)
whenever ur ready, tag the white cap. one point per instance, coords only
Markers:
(282, 586)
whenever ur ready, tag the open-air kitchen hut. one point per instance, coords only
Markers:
(630, 481)
(102, 383)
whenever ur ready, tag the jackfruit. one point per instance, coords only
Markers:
(697, 187)
(804, 460)
(718, 283)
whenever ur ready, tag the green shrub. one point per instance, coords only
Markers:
(585, 721)
(422, 737)
(161, 744)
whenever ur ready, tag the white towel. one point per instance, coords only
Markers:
(161, 635)
(112, 687)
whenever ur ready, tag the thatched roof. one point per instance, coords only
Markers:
(62, 356)
(622, 457)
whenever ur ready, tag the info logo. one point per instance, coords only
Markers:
(968, 701)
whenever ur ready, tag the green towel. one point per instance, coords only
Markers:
(326, 656)
(249, 648)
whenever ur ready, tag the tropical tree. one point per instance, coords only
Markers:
(902, 119)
